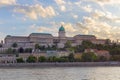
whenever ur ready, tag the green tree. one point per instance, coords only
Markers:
(63, 59)
(42, 48)
(54, 47)
(21, 50)
(87, 44)
(71, 57)
(37, 46)
(115, 58)
(28, 50)
(14, 45)
(53, 59)
(68, 44)
(31, 59)
(89, 57)
(100, 47)
(115, 51)
(79, 48)
(107, 42)
(42, 59)
(9, 51)
(102, 58)
(14, 51)
(48, 47)
(19, 60)
(1, 45)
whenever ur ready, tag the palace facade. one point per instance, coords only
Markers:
(48, 39)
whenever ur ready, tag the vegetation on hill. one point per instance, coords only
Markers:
(114, 50)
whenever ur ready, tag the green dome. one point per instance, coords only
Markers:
(61, 28)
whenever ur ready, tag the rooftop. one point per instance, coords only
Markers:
(86, 35)
(40, 34)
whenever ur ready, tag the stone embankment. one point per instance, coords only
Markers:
(65, 64)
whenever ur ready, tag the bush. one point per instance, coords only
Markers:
(42, 59)
(28, 50)
(89, 57)
(63, 59)
(19, 60)
(31, 59)
(21, 50)
(52, 59)
(102, 58)
(71, 57)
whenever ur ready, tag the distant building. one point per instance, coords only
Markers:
(46, 39)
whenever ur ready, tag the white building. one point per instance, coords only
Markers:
(48, 39)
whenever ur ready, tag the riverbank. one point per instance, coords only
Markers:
(65, 64)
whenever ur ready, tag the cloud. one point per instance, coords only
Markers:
(60, 2)
(105, 16)
(61, 5)
(106, 2)
(63, 8)
(97, 14)
(35, 11)
(75, 16)
(7, 2)
(87, 8)
(98, 28)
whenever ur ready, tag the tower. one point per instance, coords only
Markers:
(62, 37)
(62, 32)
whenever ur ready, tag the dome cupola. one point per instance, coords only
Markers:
(62, 28)
(61, 32)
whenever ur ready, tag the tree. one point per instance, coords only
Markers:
(71, 57)
(102, 58)
(1, 45)
(99, 47)
(107, 42)
(19, 60)
(115, 58)
(42, 59)
(9, 51)
(14, 51)
(37, 46)
(89, 57)
(79, 48)
(87, 44)
(115, 51)
(42, 48)
(54, 47)
(63, 59)
(31, 59)
(21, 50)
(14, 45)
(28, 50)
(68, 44)
(48, 47)
(53, 59)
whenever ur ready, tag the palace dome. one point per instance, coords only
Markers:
(62, 28)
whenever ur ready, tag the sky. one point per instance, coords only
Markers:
(90, 17)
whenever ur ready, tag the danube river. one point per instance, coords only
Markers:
(61, 73)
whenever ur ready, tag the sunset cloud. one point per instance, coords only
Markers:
(87, 8)
(35, 11)
(7, 2)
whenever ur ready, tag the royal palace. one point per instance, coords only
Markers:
(45, 39)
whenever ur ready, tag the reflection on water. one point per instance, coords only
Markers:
(62, 73)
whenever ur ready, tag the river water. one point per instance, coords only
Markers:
(61, 73)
